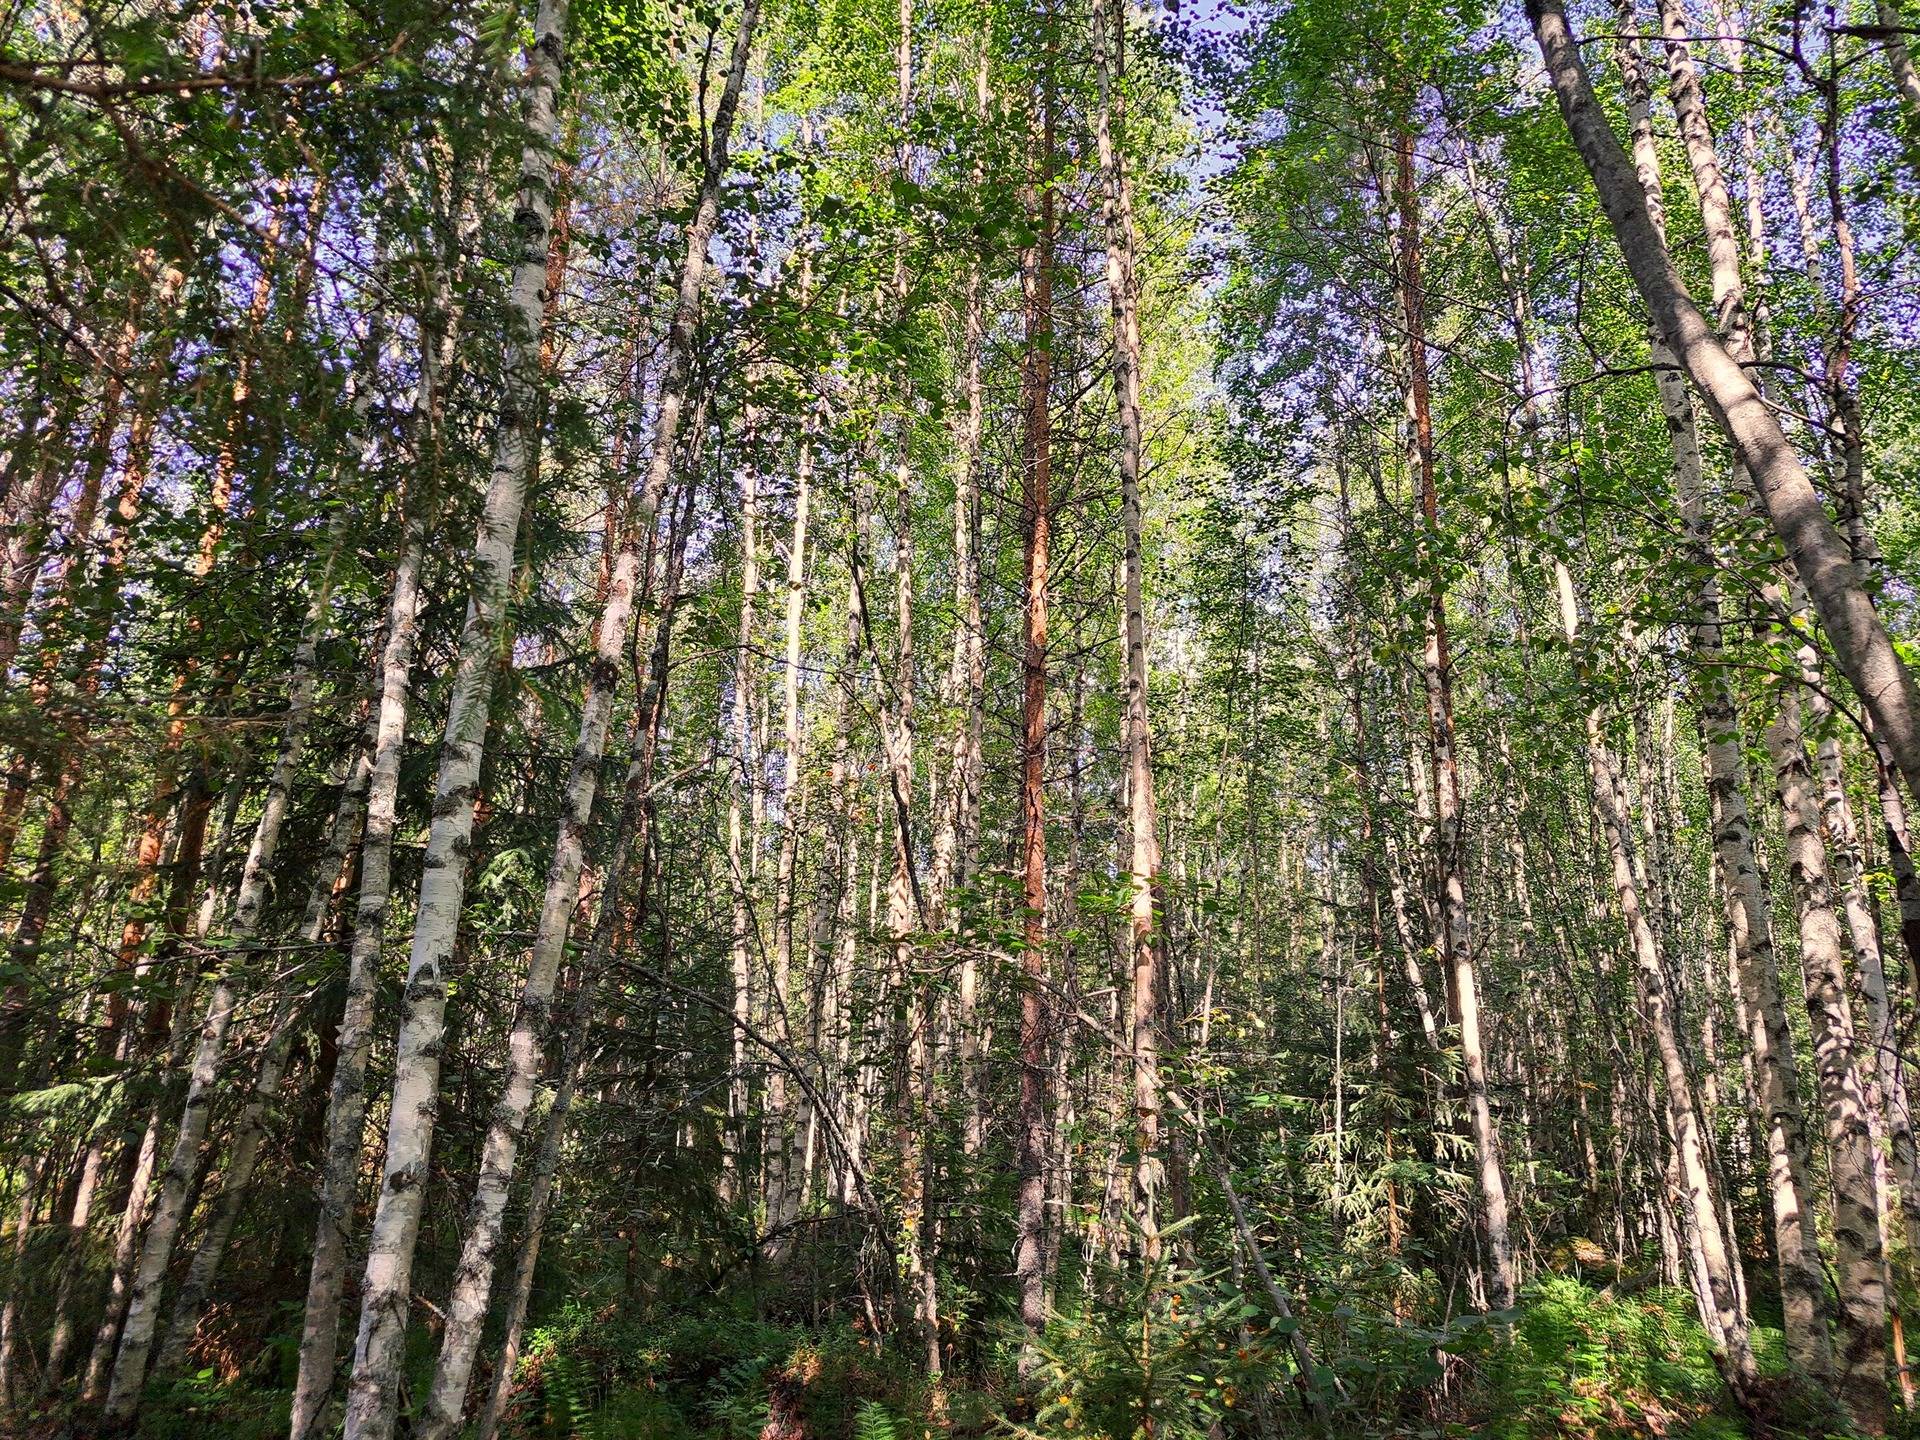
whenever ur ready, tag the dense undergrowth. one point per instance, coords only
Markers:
(1188, 1358)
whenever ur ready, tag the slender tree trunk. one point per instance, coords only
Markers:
(912, 1013)
(250, 1130)
(1791, 1194)
(1818, 551)
(73, 1260)
(1861, 1372)
(250, 900)
(912, 1009)
(739, 844)
(178, 1185)
(527, 1044)
(387, 1289)
(1699, 1212)
(1862, 1311)
(1453, 930)
(126, 1246)
(346, 1100)
(1036, 282)
(632, 836)
(793, 740)
(1109, 41)
(957, 836)
(344, 1123)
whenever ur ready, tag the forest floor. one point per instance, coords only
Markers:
(1579, 1361)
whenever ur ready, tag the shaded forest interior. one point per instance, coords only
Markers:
(882, 719)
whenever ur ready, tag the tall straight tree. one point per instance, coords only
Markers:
(527, 1045)
(1452, 929)
(1036, 473)
(1143, 823)
(387, 1288)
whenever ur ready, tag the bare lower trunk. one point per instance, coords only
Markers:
(170, 1207)
(740, 844)
(126, 1251)
(784, 1207)
(1698, 1210)
(1109, 32)
(1859, 1259)
(1453, 930)
(346, 1098)
(249, 903)
(73, 1260)
(631, 838)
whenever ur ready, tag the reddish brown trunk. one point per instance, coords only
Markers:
(1453, 934)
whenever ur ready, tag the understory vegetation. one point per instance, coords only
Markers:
(1184, 1362)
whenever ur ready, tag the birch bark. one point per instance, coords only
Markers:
(1143, 823)
(1861, 644)
(386, 1292)
(1036, 1079)
(632, 836)
(527, 1043)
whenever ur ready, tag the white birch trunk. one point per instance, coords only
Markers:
(1699, 1211)
(1812, 542)
(386, 1293)
(1109, 42)
(1859, 1257)
(466, 1307)
(1790, 1191)
(631, 839)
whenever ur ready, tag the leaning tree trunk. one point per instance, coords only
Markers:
(1700, 1214)
(177, 1181)
(249, 902)
(345, 1118)
(632, 835)
(1862, 1308)
(1817, 549)
(1790, 1192)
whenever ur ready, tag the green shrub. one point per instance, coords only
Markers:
(1170, 1359)
(1583, 1362)
(199, 1405)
